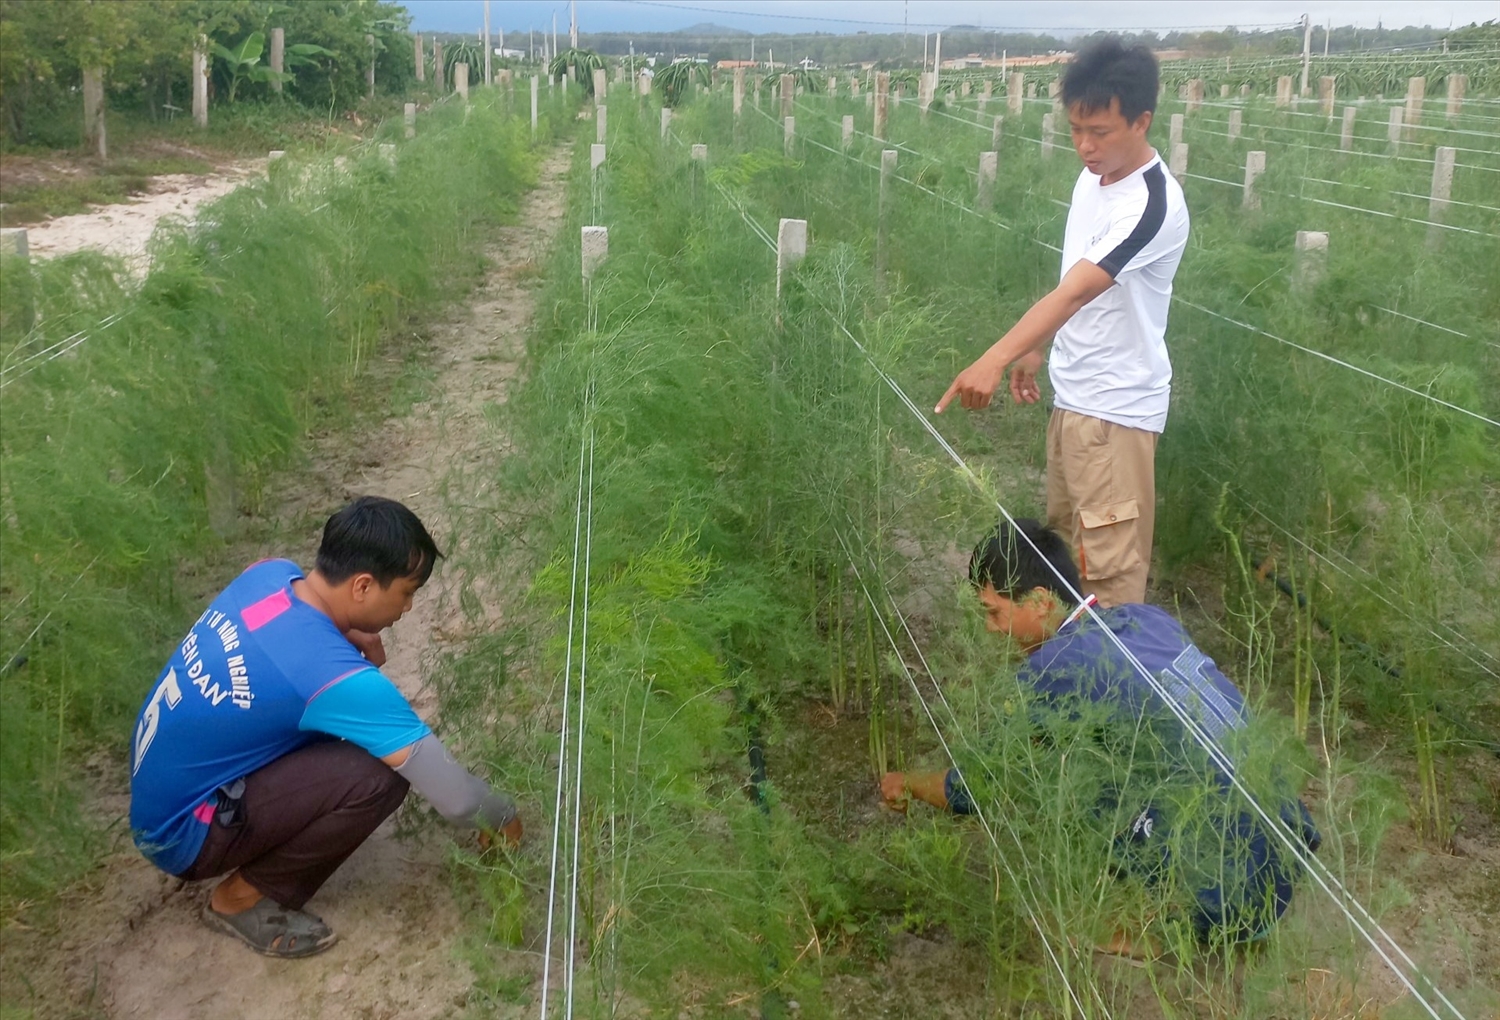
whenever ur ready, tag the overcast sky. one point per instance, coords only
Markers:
(887, 15)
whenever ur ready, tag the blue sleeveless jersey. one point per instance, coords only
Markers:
(259, 675)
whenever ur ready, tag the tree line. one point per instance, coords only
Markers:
(144, 50)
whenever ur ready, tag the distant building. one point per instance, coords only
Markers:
(974, 60)
(730, 65)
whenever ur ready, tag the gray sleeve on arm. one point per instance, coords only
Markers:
(460, 797)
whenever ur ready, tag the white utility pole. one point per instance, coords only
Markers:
(573, 23)
(489, 73)
(1306, 51)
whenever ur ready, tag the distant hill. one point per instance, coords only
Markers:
(708, 28)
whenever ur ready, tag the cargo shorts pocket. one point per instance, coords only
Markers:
(1108, 545)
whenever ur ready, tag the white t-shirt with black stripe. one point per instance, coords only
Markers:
(1110, 359)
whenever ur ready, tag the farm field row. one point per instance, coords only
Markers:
(747, 538)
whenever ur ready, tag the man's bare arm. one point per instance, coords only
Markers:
(976, 384)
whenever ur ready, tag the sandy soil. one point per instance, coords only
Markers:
(125, 228)
(132, 945)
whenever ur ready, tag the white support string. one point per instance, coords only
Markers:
(1340, 362)
(581, 728)
(562, 756)
(55, 351)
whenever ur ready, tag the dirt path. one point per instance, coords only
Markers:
(136, 947)
(123, 229)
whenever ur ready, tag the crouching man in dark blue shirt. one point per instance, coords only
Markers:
(1239, 873)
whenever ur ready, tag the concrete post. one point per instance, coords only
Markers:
(274, 155)
(370, 67)
(699, 152)
(278, 56)
(1047, 123)
(619, 73)
(1031, 90)
(595, 250)
(438, 72)
(833, 86)
(536, 86)
(1245, 90)
(963, 88)
(995, 132)
(409, 115)
(1393, 127)
(788, 134)
(388, 153)
(93, 110)
(1326, 88)
(421, 58)
(461, 79)
(854, 86)
(1175, 137)
(1346, 132)
(882, 103)
(13, 243)
(1015, 92)
(989, 166)
(601, 123)
(848, 131)
(200, 83)
(601, 85)
(596, 156)
(666, 121)
(1312, 259)
(1442, 181)
(1194, 95)
(643, 86)
(1458, 84)
(791, 248)
(1179, 161)
(1284, 91)
(1236, 124)
(739, 90)
(887, 170)
(1255, 165)
(1416, 91)
(788, 92)
(1223, 91)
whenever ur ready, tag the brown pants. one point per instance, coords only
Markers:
(1101, 496)
(300, 817)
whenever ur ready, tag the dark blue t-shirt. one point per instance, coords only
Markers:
(259, 675)
(1082, 660)
(1245, 876)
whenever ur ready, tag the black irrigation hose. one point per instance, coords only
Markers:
(1265, 568)
(772, 1006)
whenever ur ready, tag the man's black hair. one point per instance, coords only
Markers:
(1107, 69)
(1006, 559)
(376, 536)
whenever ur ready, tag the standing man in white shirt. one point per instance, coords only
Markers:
(1111, 379)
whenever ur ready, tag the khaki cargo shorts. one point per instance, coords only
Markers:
(1101, 497)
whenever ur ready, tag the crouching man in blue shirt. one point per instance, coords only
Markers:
(271, 745)
(1239, 875)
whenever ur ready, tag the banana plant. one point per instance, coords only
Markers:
(243, 62)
